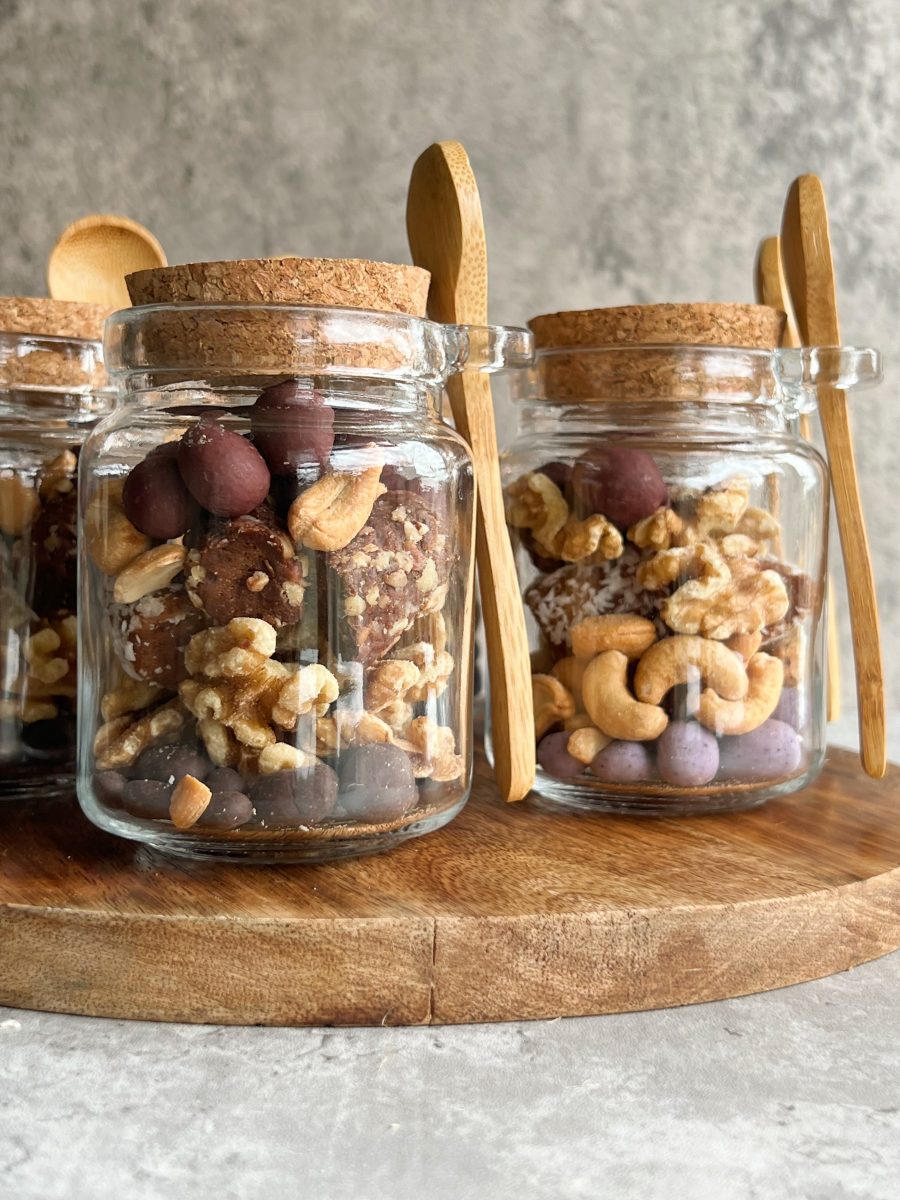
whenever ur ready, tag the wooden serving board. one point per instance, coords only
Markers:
(508, 913)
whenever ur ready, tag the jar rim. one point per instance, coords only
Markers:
(267, 340)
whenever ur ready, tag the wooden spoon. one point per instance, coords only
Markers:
(446, 236)
(809, 272)
(93, 255)
(771, 290)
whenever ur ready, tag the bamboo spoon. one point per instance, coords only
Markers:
(809, 272)
(446, 236)
(93, 255)
(771, 290)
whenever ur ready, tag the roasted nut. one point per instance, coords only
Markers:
(552, 703)
(190, 799)
(310, 688)
(279, 756)
(390, 681)
(19, 504)
(119, 742)
(232, 650)
(432, 749)
(111, 539)
(570, 672)
(630, 634)
(57, 477)
(610, 704)
(536, 503)
(744, 644)
(39, 651)
(681, 659)
(434, 670)
(659, 531)
(329, 514)
(747, 606)
(149, 572)
(765, 676)
(585, 744)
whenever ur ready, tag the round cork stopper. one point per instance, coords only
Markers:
(570, 371)
(52, 318)
(28, 362)
(318, 282)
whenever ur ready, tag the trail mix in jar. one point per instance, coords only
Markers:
(38, 635)
(673, 636)
(278, 658)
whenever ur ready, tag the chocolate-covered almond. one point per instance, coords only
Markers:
(376, 783)
(226, 810)
(155, 498)
(622, 483)
(148, 798)
(224, 473)
(292, 427)
(299, 797)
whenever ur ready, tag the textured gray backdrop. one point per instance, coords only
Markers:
(626, 150)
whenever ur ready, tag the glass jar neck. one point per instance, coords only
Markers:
(695, 418)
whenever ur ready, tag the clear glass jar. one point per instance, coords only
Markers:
(670, 527)
(277, 581)
(51, 393)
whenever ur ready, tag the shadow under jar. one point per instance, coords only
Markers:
(51, 393)
(277, 582)
(671, 531)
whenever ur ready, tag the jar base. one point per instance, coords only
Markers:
(279, 846)
(662, 800)
(38, 787)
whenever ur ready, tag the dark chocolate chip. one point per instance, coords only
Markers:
(226, 810)
(148, 798)
(376, 783)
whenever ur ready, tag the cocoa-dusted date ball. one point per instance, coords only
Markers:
(555, 759)
(292, 427)
(622, 483)
(300, 797)
(224, 473)
(376, 783)
(687, 755)
(155, 498)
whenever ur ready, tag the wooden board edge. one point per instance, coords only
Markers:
(572, 965)
(219, 972)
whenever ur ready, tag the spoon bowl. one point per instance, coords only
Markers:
(94, 254)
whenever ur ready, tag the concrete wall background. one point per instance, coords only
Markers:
(626, 150)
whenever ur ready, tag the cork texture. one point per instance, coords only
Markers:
(45, 365)
(331, 282)
(586, 353)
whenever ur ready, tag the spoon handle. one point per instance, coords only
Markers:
(512, 721)
(772, 290)
(809, 272)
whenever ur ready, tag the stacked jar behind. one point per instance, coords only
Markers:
(51, 392)
(671, 531)
(277, 583)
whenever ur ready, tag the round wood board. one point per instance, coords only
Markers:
(508, 913)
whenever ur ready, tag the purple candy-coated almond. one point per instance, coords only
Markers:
(687, 755)
(773, 751)
(624, 762)
(555, 759)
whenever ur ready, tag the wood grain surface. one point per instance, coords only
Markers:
(509, 912)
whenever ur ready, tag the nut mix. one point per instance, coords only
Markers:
(278, 650)
(672, 636)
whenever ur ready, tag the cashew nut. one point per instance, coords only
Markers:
(585, 744)
(688, 659)
(570, 672)
(553, 702)
(744, 644)
(765, 675)
(626, 632)
(611, 706)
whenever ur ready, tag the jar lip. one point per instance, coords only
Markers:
(285, 339)
(682, 371)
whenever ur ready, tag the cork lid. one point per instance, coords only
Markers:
(318, 282)
(621, 353)
(238, 337)
(28, 361)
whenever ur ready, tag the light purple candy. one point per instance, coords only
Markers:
(624, 762)
(555, 758)
(687, 754)
(792, 707)
(773, 751)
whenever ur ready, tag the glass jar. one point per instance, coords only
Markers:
(277, 581)
(671, 531)
(51, 393)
